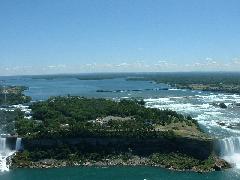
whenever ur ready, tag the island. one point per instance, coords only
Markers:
(78, 131)
(10, 95)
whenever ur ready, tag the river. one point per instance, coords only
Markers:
(219, 123)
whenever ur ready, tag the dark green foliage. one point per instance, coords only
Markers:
(50, 116)
(191, 78)
(13, 95)
(14, 99)
(8, 119)
(183, 162)
(72, 155)
(177, 161)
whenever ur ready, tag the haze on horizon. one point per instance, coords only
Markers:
(79, 36)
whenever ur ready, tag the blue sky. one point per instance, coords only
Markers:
(74, 36)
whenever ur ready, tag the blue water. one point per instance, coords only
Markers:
(194, 103)
(41, 89)
(115, 173)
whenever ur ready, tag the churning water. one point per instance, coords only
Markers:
(5, 152)
(230, 150)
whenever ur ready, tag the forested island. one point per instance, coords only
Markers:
(10, 95)
(77, 131)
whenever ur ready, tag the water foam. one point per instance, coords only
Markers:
(230, 150)
(5, 152)
(216, 121)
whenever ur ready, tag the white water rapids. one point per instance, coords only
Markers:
(216, 121)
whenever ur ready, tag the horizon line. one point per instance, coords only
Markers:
(130, 72)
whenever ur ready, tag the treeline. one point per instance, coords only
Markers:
(192, 78)
(8, 119)
(219, 82)
(76, 116)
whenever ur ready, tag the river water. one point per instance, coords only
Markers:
(220, 123)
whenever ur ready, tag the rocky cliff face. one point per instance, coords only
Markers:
(197, 148)
(11, 143)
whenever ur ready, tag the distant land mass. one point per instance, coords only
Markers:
(227, 82)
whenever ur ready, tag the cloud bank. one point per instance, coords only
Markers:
(207, 64)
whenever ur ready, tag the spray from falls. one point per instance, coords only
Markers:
(5, 152)
(2, 144)
(230, 150)
(18, 144)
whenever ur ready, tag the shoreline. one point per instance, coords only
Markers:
(134, 161)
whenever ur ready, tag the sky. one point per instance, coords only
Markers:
(78, 36)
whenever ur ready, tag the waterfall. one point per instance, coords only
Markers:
(230, 150)
(18, 144)
(2, 144)
(4, 154)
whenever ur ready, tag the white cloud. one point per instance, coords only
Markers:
(236, 61)
(122, 64)
(51, 67)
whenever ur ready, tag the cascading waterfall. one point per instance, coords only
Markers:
(5, 152)
(18, 144)
(230, 150)
(2, 144)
